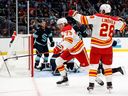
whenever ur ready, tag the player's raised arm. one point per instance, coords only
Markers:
(81, 18)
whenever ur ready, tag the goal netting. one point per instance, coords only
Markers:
(19, 66)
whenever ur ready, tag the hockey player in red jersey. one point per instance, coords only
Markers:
(70, 47)
(101, 41)
(12, 38)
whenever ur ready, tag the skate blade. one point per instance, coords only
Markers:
(124, 71)
(47, 69)
(37, 70)
(110, 91)
(63, 84)
(90, 91)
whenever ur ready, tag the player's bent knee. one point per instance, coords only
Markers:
(59, 61)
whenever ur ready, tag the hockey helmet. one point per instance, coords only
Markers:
(106, 8)
(62, 21)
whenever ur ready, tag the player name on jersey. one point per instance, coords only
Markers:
(107, 20)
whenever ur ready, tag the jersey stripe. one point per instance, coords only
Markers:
(86, 56)
(101, 42)
(84, 20)
(123, 27)
(69, 39)
(77, 47)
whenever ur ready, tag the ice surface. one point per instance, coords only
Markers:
(44, 84)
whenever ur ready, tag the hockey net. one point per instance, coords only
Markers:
(19, 66)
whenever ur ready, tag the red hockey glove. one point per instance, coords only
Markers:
(72, 13)
(57, 49)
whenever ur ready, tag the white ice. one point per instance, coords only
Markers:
(44, 84)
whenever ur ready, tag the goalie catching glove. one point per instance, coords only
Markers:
(72, 13)
(57, 49)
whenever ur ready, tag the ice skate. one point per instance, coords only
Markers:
(90, 87)
(36, 65)
(48, 67)
(121, 70)
(109, 86)
(63, 82)
(41, 67)
(99, 81)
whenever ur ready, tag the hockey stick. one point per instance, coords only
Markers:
(25, 55)
(5, 64)
(92, 6)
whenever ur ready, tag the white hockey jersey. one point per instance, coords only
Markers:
(71, 40)
(103, 28)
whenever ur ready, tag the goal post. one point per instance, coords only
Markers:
(31, 59)
(22, 45)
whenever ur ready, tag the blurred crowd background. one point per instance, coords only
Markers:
(50, 11)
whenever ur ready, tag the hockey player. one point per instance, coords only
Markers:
(12, 38)
(41, 45)
(70, 47)
(81, 31)
(101, 41)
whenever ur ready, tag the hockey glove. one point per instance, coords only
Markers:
(114, 43)
(57, 49)
(52, 44)
(72, 13)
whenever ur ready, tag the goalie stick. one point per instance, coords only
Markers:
(25, 55)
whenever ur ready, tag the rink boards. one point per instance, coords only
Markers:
(122, 44)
